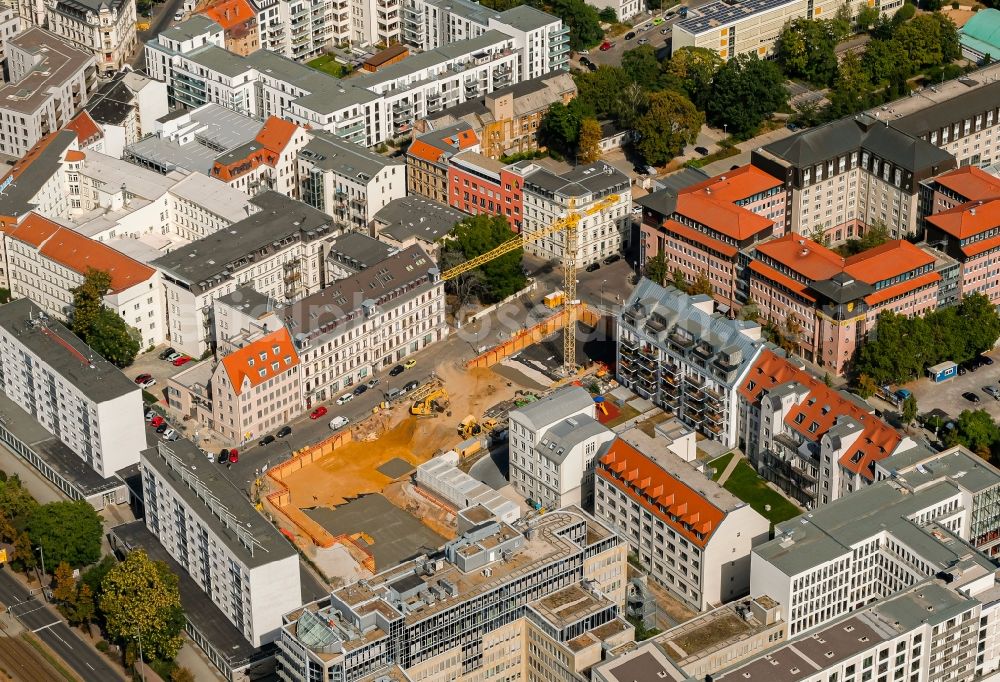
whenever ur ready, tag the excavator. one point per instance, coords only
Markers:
(470, 427)
(430, 405)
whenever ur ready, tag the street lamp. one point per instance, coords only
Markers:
(603, 282)
(42, 550)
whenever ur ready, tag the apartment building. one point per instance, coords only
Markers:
(541, 39)
(11, 23)
(753, 26)
(279, 248)
(366, 322)
(70, 391)
(478, 184)
(702, 228)
(442, 616)
(46, 261)
(415, 220)
(598, 192)
(865, 546)
(939, 628)
(239, 22)
(346, 180)
(427, 160)
(506, 120)
(247, 568)
(843, 176)
(827, 303)
(693, 535)
(126, 109)
(269, 162)
(257, 387)
(554, 444)
(676, 351)
(815, 443)
(103, 29)
(50, 81)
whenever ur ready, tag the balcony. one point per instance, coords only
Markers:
(629, 345)
(695, 380)
(402, 107)
(682, 343)
(673, 370)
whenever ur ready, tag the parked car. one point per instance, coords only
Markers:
(170, 433)
(664, 31)
(318, 412)
(234, 456)
(285, 430)
(156, 421)
(182, 360)
(630, 35)
(396, 371)
(178, 15)
(986, 359)
(583, 52)
(173, 356)
(593, 267)
(962, 370)
(266, 440)
(346, 398)
(149, 414)
(657, 21)
(643, 41)
(409, 364)
(162, 427)
(373, 382)
(145, 381)
(410, 385)
(591, 66)
(701, 150)
(613, 258)
(971, 397)
(606, 45)
(360, 389)
(223, 455)
(167, 353)
(339, 422)
(992, 391)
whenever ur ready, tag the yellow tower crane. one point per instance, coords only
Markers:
(567, 224)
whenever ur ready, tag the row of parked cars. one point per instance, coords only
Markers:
(973, 365)
(161, 425)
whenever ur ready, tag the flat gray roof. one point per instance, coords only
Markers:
(330, 152)
(64, 352)
(555, 444)
(59, 63)
(555, 406)
(416, 216)
(526, 18)
(199, 483)
(218, 59)
(917, 467)
(359, 251)
(192, 27)
(594, 178)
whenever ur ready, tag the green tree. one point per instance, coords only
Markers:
(656, 268)
(679, 280)
(4, 295)
(909, 412)
(877, 234)
(599, 93)
(560, 128)
(867, 16)
(140, 599)
(478, 234)
(99, 326)
(904, 14)
(978, 325)
(750, 312)
(886, 61)
(692, 70)
(88, 299)
(892, 353)
(807, 49)
(608, 15)
(24, 552)
(94, 576)
(641, 66)
(64, 584)
(866, 387)
(16, 503)
(84, 611)
(67, 531)
(589, 148)
(851, 87)
(701, 285)
(582, 20)
(670, 123)
(976, 430)
(746, 91)
(7, 531)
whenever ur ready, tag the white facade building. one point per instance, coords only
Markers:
(11, 24)
(126, 109)
(209, 526)
(71, 391)
(104, 29)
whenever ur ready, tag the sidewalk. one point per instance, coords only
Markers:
(40, 488)
(733, 462)
(192, 658)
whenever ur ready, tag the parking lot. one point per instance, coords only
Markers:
(947, 395)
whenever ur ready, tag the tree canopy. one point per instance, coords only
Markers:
(140, 598)
(691, 70)
(583, 21)
(67, 532)
(976, 430)
(669, 123)
(100, 327)
(807, 49)
(746, 90)
(476, 235)
(589, 143)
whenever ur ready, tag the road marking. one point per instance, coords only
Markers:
(89, 666)
(47, 626)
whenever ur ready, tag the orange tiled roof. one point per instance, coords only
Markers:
(888, 260)
(75, 155)
(230, 13)
(981, 246)
(79, 253)
(687, 512)
(735, 185)
(770, 273)
(811, 260)
(238, 167)
(703, 239)
(258, 361)
(969, 219)
(273, 137)
(85, 127)
(276, 133)
(909, 285)
(428, 152)
(823, 405)
(971, 182)
(722, 216)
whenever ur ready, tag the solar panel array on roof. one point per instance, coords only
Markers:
(721, 13)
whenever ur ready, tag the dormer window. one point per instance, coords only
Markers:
(250, 362)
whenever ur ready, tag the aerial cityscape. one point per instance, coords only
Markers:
(500, 340)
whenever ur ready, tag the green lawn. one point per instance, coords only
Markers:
(328, 64)
(749, 487)
(720, 464)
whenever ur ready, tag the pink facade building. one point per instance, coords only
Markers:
(828, 303)
(702, 228)
(478, 184)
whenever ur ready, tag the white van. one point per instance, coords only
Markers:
(339, 422)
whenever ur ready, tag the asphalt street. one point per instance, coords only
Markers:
(51, 629)
(163, 14)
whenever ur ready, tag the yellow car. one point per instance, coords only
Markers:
(410, 363)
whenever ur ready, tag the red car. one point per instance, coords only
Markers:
(606, 45)
(318, 412)
(143, 378)
(234, 456)
(182, 360)
(156, 421)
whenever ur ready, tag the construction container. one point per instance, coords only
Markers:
(554, 300)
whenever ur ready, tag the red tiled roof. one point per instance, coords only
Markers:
(823, 405)
(768, 272)
(700, 237)
(276, 133)
(230, 13)
(971, 182)
(687, 511)
(260, 357)
(969, 219)
(85, 127)
(909, 285)
(722, 216)
(428, 152)
(811, 260)
(888, 260)
(79, 253)
(979, 247)
(75, 155)
(273, 137)
(735, 185)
